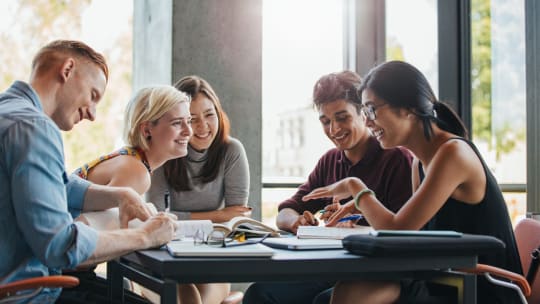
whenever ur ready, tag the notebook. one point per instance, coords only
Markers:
(337, 233)
(293, 243)
(186, 248)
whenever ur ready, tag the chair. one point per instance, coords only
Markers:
(527, 234)
(8, 291)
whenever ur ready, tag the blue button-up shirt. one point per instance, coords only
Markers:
(37, 199)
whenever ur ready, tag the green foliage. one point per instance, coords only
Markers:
(481, 70)
(394, 50)
(501, 138)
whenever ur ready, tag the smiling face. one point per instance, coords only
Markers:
(171, 133)
(391, 126)
(79, 95)
(343, 125)
(205, 122)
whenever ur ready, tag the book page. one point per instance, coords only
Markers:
(187, 228)
(338, 233)
(246, 224)
(108, 220)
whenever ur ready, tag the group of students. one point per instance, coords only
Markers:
(402, 159)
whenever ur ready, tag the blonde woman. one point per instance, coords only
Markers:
(157, 128)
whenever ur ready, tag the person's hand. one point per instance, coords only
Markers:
(345, 210)
(329, 210)
(159, 229)
(131, 206)
(346, 224)
(227, 213)
(305, 219)
(338, 190)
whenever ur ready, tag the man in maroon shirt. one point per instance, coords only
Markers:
(357, 153)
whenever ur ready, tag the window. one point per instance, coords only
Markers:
(296, 52)
(106, 26)
(498, 94)
(413, 41)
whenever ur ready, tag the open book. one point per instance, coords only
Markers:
(251, 227)
(109, 220)
(322, 232)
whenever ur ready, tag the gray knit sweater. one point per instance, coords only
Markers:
(231, 186)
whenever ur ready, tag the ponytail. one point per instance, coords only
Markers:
(448, 120)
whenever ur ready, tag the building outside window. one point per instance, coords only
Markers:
(296, 52)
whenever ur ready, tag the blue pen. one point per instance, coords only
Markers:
(354, 217)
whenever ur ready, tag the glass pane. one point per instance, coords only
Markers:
(517, 204)
(414, 39)
(302, 40)
(498, 88)
(271, 197)
(106, 26)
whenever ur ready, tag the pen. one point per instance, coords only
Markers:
(167, 200)
(354, 217)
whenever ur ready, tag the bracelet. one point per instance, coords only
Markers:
(359, 195)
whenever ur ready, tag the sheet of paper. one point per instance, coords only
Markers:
(108, 220)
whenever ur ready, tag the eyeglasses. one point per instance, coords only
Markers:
(217, 238)
(369, 110)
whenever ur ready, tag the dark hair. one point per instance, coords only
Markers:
(55, 50)
(175, 170)
(334, 86)
(401, 85)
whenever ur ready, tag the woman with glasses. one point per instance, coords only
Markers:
(212, 181)
(453, 189)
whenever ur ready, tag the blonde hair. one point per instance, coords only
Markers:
(149, 105)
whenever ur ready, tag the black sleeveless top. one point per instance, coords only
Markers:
(489, 217)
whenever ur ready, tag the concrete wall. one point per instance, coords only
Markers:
(220, 41)
(152, 42)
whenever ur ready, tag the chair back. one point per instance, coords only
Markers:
(527, 234)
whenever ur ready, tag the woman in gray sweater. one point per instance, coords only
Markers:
(212, 181)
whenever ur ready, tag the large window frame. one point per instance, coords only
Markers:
(455, 59)
(366, 31)
(532, 38)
